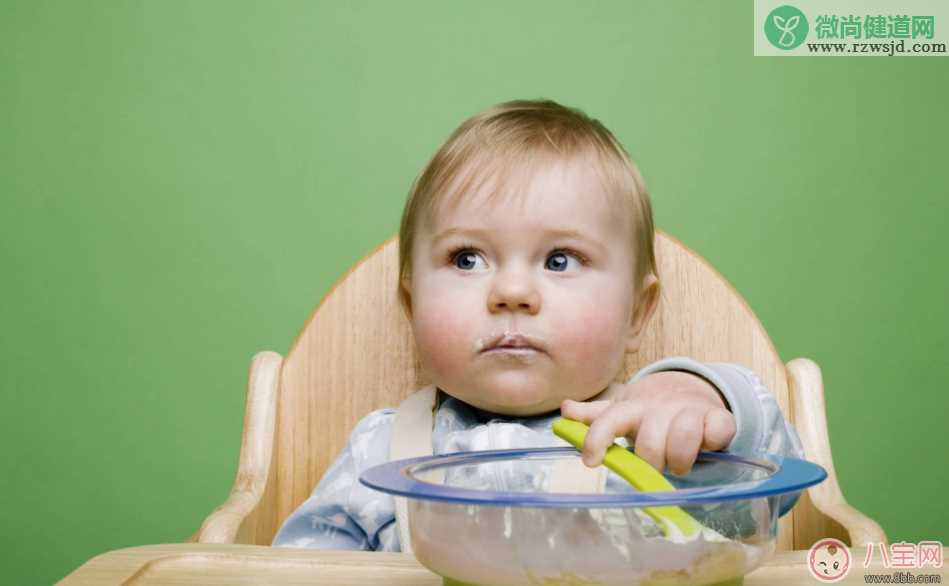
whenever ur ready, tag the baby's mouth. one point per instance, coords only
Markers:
(513, 344)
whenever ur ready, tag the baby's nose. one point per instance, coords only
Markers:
(514, 294)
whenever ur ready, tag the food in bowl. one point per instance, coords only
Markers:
(501, 518)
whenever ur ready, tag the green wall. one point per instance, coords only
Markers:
(181, 183)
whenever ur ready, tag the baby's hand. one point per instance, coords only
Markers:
(669, 415)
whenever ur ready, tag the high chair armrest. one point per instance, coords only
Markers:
(235, 516)
(806, 388)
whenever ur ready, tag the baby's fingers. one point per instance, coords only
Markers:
(584, 412)
(651, 438)
(719, 429)
(620, 419)
(684, 440)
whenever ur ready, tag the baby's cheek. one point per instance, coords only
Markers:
(442, 336)
(591, 342)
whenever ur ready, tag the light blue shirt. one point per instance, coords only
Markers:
(341, 513)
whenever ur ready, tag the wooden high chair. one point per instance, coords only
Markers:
(356, 354)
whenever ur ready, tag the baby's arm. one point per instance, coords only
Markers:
(752, 423)
(341, 513)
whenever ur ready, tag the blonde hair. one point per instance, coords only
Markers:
(505, 144)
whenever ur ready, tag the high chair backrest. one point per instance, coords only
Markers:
(356, 354)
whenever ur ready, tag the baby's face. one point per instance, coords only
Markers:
(551, 269)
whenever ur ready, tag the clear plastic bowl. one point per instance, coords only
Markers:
(495, 518)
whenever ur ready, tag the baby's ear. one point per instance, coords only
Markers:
(644, 307)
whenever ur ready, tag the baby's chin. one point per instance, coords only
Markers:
(515, 410)
(514, 400)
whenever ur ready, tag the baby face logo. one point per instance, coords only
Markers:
(786, 27)
(829, 560)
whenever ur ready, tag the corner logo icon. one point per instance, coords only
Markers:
(786, 27)
(829, 560)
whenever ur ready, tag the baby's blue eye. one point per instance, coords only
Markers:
(466, 260)
(557, 262)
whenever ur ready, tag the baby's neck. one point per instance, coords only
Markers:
(485, 415)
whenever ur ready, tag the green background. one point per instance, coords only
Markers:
(182, 182)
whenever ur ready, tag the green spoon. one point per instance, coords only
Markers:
(636, 471)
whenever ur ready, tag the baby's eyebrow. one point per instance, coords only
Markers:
(575, 235)
(569, 233)
(459, 231)
(555, 232)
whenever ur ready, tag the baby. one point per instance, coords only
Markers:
(527, 272)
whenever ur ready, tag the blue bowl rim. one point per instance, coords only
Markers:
(790, 475)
